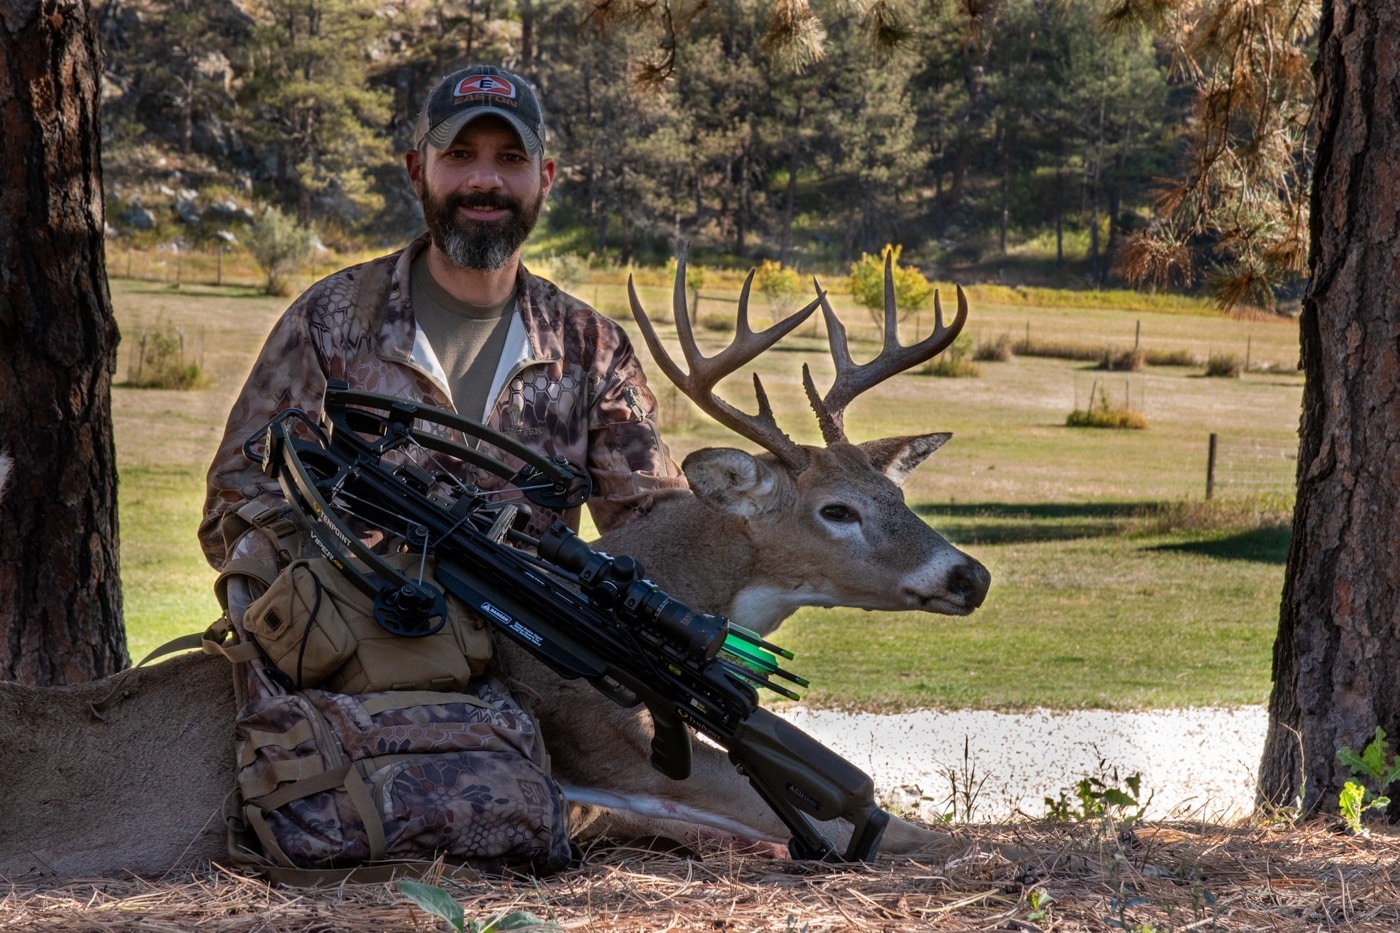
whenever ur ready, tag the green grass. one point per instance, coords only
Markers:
(1114, 584)
(1082, 613)
(167, 587)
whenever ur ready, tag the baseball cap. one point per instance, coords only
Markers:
(479, 91)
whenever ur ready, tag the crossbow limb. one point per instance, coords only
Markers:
(583, 612)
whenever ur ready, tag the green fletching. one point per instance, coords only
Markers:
(746, 653)
(753, 638)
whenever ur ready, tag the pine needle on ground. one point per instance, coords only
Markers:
(1157, 876)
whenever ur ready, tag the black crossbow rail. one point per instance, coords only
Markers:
(383, 463)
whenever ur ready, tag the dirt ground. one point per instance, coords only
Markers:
(1153, 878)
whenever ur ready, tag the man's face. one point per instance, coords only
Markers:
(481, 195)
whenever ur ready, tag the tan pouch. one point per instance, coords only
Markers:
(318, 628)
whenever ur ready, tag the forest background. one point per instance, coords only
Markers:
(1020, 141)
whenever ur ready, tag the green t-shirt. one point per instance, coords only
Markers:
(468, 339)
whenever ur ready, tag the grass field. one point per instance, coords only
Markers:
(1114, 584)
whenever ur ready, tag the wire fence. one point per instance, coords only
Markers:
(1243, 463)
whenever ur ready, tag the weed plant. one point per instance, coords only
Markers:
(1378, 769)
(1099, 798)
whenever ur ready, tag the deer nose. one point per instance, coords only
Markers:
(969, 581)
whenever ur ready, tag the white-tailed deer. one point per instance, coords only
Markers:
(140, 790)
(761, 537)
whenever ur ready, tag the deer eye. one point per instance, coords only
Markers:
(837, 513)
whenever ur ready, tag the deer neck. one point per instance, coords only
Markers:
(706, 559)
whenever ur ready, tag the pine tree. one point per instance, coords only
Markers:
(309, 105)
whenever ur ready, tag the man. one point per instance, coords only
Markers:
(455, 320)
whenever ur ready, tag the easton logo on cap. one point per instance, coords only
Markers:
(484, 84)
(478, 91)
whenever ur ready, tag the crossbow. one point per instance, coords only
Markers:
(383, 463)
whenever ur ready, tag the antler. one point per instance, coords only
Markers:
(705, 372)
(851, 379)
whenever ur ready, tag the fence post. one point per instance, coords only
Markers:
(1210, 468)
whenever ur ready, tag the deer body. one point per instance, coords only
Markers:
(142, 790)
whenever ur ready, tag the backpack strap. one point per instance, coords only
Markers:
(276, 526)
(275, 523)
(210, 641)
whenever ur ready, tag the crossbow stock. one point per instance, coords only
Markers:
(379, 462)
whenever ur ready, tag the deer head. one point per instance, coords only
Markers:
(828, 526)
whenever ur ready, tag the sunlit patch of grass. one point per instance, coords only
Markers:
(1118, 299)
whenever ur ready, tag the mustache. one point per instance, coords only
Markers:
(483, 201)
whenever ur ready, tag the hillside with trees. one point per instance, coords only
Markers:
(1021, 139)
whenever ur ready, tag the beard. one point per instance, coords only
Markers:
(483, 246)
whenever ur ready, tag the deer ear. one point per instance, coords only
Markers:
(897, 457)
(731, 480)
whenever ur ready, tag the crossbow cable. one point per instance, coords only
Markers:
(583, 612)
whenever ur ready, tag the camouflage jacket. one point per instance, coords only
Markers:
(569, 384)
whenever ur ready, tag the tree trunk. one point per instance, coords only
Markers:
(527, 35)
(60, 595)
(1338, 647)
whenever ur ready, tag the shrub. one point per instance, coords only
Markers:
(159, 361)
(911, 289)
(694, 275)
(1132, 361)
(1105, 417)
(1103, 414)
(955, 361)
(568, 270)
(278, 246)
(1060, 350)
(779, 285)
(1224, 364)
(1265, 510)
(998, 351)
(719, 323)
(1172, 358)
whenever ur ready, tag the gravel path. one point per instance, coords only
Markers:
(1194, 763)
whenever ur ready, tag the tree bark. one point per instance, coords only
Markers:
(1338, 649)
(60, 594)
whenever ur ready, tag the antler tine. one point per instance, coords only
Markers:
(705, 372)
(852, 379)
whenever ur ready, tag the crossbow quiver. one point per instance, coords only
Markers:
(381, 462)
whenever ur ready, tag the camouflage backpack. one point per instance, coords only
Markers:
(331, 780)
(331, 785)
